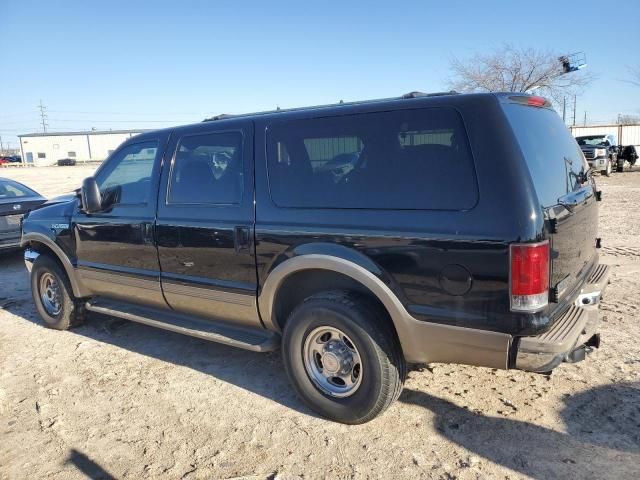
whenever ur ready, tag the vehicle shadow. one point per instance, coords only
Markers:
(602, 434)
(260, 373)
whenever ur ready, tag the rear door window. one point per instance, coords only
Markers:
(405, 159)
(207, 170)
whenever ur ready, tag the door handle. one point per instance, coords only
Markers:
(242, 238)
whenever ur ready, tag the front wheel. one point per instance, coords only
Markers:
(53, 296)
(342, 356)
(607, 170)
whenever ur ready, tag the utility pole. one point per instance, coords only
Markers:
(585, 118)
(1, 145)
(574, 109)
(43, 116)
(564, 109)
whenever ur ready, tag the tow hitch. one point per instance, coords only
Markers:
(580, 353)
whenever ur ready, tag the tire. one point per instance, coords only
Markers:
(378, 380)
(63, 310)
(607, 170)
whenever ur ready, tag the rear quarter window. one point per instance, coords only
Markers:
(406, 159)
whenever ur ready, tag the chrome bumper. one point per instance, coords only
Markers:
(30, 257)
(571, 334)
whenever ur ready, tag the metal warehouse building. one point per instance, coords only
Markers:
(42, 149)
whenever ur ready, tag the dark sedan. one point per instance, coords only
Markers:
(16, 199)
(67, 162)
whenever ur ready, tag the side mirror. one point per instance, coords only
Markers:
(91, 196)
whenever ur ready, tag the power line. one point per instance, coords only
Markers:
(43, 116)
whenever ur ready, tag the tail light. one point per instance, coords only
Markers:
(529, 276)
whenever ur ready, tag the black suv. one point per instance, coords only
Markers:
(360, 237)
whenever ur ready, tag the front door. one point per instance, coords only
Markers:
(205, 223)
(117, 257)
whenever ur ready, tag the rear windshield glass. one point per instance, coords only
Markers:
(10, 189)
(406, 159)
(555, 161)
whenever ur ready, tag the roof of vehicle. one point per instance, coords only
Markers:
(403, 101)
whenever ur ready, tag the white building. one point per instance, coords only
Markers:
(42, 149)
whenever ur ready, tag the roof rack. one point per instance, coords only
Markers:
(415, 94)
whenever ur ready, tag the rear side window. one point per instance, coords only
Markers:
(555, 161)
(207, 170)
(405, 159)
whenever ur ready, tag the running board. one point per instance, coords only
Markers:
(254, 339)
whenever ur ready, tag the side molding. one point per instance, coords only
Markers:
(76, 286)
(421, 342)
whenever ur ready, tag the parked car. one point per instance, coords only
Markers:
(66, 162)
(465, 232)
(4, 160)
(601, 152)
(16, 199)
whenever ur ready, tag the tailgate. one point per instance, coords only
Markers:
(565, 191)
(574, 227)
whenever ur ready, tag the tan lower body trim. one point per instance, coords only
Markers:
(425, 342)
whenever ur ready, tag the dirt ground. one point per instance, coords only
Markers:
(114, 399)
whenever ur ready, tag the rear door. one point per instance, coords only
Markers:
(565, 191)
(205, 222)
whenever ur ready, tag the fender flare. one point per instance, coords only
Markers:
(269, 291)
(77, 288)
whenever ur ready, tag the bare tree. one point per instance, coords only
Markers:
(511, 69)
(629, 119)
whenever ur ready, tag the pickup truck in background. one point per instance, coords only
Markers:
(601, 152)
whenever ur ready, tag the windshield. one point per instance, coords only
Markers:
(11, 189)
(591, 140)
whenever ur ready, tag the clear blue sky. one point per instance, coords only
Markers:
(121, 64)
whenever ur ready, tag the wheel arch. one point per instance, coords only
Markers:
(44, 245)
(345, 275)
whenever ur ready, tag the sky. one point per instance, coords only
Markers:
(150, 64)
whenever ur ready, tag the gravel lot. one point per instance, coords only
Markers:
(117, 399)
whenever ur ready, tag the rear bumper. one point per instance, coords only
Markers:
(571, 335)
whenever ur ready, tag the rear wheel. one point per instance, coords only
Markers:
(53, 296)
(342, 357)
